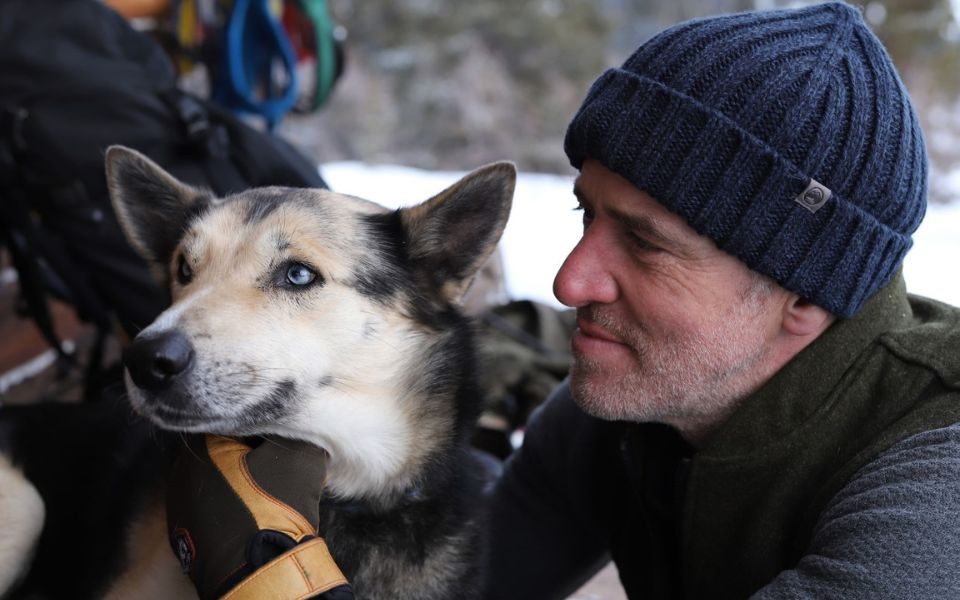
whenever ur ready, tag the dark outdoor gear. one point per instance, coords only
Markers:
(524, 350)
(243, 520)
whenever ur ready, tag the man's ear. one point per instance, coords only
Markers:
(451, 235)
(151, 205)
(803, 318)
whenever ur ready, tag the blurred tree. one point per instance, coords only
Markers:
(455, 83)
(923, 38)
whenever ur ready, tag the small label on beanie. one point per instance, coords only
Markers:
(814, 197)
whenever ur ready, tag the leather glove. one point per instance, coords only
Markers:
(244, 521)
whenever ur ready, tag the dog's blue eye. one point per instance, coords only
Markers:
(299, 274)
(184, 272)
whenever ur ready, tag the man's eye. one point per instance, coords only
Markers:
(641, 243)
(299, 275)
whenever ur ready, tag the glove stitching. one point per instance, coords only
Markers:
(312, 588)
(300, 570)
(263, 572)
(231, 574)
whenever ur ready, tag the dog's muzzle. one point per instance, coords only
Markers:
(155, 361)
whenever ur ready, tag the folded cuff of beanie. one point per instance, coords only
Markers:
(733, 188)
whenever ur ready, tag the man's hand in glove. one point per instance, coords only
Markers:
(244, 521)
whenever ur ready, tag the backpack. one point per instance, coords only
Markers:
(75, 78)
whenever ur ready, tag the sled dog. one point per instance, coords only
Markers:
(298, 313)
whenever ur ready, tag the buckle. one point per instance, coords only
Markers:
(194, 117)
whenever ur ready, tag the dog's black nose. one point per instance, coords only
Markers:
(155, 361)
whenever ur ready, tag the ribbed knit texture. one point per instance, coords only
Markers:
(726, 120)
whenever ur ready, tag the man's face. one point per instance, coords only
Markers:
(670, 328)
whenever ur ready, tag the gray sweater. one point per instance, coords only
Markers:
(892, 532)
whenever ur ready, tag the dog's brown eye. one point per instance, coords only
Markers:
(184, 272)
(298, 274)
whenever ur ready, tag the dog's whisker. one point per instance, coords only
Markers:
(187, 446)
(275, 441)
(255, 372)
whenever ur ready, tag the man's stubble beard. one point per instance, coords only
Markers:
(688, 378)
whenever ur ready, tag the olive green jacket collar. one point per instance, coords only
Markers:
(776, 413)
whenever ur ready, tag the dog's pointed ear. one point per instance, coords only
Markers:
(151, 205)
(451, 235)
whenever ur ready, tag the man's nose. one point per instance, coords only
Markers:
(585, 277)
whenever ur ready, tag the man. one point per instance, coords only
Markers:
(756, 406)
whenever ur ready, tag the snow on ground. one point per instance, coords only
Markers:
(543, 228)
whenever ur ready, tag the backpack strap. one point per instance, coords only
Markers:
(209, 140)
(44, 267)
(16, 229)
(235, 156)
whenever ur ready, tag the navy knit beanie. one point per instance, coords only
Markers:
(785, 136)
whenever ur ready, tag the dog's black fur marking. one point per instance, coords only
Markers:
(383, 278)
(276, 401)
(262, 203)
(397, 272)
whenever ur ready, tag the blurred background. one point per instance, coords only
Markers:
(451, 84)
(428, 89)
